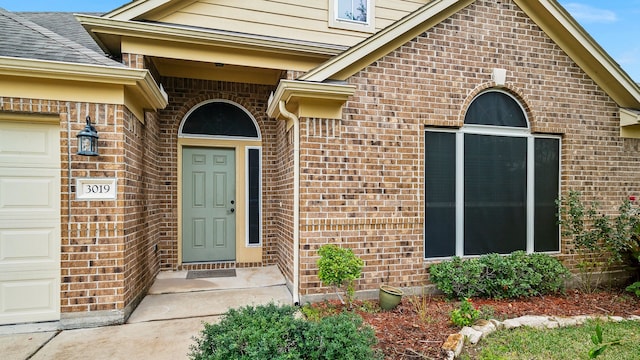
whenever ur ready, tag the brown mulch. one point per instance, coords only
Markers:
(418, 327)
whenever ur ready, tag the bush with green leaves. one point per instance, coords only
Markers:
(274, 332)
(339, 267)
(600, 240)
(498, 276)
(465, 315)
(634, 288)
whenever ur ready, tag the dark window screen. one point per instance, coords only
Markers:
(495, 108)
(220, 118)
(547, 174)
(440, 194)
(495, 194)
(254, 196)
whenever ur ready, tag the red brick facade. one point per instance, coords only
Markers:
(361, 177)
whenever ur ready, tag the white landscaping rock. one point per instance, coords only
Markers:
(454, 343)
(471, 334)
(498, 324)
(536, 322)
(485, 327)
(566, 321)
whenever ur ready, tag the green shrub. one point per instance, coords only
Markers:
(600, 240)
(465, 315)
(634, 288)
(340, 268)
(497, 276)
(457, 278)
(273, 332)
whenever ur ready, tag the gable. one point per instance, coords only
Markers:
(548, 15)
(300, 20)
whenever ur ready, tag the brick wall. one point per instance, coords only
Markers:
(363, 176)
(107, 257)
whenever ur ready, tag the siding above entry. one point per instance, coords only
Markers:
(294, 19)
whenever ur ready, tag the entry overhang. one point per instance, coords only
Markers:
(630, 123)
(310, 99)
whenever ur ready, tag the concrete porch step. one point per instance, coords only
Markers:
(172, 296)
(205, 303)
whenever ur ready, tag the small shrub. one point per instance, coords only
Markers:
(497, 276)
(634, 288)
(340, 268)
(342, 336)
(457, 278)
(465, 315)
(273, 332)
(600, 240)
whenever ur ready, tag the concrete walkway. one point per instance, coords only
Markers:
(163, 325)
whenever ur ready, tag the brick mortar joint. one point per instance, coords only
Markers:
(362, 221)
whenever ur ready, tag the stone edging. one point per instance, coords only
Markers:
(455, 342)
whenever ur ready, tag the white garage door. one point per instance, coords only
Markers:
(29, 222)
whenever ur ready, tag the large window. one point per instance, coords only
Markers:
(491, 186)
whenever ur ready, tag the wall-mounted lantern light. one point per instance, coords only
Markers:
(88, 140)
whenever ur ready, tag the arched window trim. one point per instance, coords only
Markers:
(222, 137)
(495, 129)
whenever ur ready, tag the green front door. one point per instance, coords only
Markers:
(208, 204)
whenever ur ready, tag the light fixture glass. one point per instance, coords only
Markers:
(88, 140)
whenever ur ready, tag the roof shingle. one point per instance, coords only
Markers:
(22, 38)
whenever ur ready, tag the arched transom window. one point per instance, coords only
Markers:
(220, 118)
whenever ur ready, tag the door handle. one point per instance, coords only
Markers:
(232, 210)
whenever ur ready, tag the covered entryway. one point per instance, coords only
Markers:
(208, 211)
(29, 221)
(219, 153)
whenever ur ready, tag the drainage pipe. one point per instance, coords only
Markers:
(296, 199)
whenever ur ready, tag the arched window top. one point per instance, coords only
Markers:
(496, 108)
(219, 118)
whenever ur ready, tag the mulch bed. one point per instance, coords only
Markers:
(418, 327)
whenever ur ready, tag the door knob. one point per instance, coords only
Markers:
(232, 210)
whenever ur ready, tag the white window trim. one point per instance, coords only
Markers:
(338, 23)
(497, 131)
(246, 154)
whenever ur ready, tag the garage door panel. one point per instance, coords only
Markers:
(29, 190)
(25, 145)
(29, 222)
(27, 245)
(30, 296)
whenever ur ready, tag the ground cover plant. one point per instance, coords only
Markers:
(623, 339)
(274, 332)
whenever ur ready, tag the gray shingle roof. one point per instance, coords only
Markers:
(22, 38)
(64, 24)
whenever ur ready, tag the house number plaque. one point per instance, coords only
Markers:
(99, 189)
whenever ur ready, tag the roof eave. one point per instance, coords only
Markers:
(140, 81)
(100, 26)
